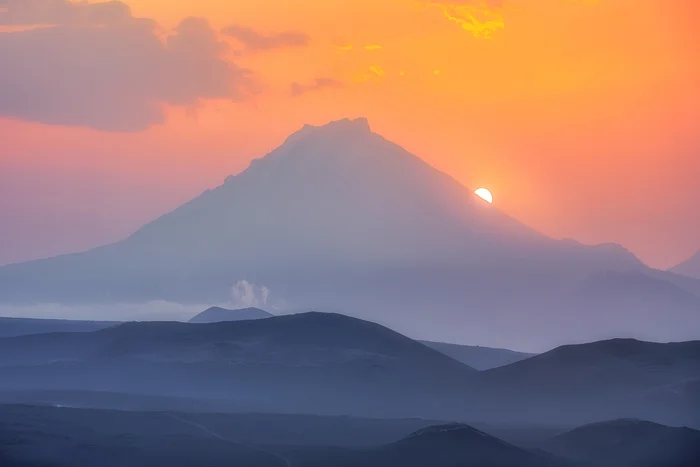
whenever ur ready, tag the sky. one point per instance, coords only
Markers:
(581, 116)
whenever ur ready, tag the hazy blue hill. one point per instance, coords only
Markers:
(481, 358)
(313, 362)
(689, 267)
(10, 327)
(217, 314)
(628, 443)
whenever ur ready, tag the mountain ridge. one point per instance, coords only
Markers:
(690, 267)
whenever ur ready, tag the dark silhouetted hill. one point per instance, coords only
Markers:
(628, 443)
(617, 378)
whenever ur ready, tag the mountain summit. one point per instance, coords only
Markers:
(340, 219)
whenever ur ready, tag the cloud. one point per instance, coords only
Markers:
(377, 70)
(482, 18)
(64, 12)
(246, 294)
(97, 66)
(318, 84)
(253, 41)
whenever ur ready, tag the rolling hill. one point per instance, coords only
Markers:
(617, 378)
(311, 362)
(628, 443)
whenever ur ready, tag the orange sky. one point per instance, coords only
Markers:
(581, 116)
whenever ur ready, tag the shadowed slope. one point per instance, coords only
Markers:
(628, 443)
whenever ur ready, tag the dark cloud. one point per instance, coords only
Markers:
(298, 89)
(256, 42)
(98, 68)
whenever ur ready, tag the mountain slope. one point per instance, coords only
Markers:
(340, 219)
(481, 358)
(689, 267)
(312, 362)
(217, 314)
(628, 443)
(619, 378)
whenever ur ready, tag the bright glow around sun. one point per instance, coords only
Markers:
(484, 194)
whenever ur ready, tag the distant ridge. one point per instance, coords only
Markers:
(689, 267)
(217, 314)
(481, 358)
(10, 327)
(628, 443)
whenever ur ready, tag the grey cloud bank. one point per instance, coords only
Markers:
(115, 77)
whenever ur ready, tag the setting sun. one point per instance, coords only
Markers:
(484, 194)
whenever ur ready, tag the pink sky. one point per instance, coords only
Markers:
(582, 117)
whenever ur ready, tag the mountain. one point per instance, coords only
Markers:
(628, 443)
(481, 358)
(10, 327)
(618, 378)
(689, 267)
(217, 314)
(311, 362)
(340, 219)
(438, 446)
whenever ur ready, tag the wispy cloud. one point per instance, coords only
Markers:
(298, 89)
(377, 70)
(482, 18)
(254, 41)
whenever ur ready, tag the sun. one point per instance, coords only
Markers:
(484, 194)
